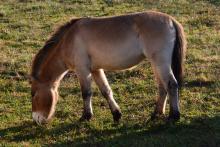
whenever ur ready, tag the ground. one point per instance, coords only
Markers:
(25, 25)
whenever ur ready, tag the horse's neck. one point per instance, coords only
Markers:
(53, 71)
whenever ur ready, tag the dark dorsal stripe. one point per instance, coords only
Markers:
(49, 46)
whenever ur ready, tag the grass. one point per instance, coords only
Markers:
(26, 24)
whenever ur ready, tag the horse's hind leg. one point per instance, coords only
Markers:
(84, 76)
(161, 99)
(101, 81)
(170, 85)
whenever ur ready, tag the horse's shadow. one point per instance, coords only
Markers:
(200, 131)
(214, 2)
(197, 83)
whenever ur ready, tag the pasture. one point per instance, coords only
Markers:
(25, 25)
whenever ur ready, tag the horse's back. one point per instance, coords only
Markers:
(120, 42)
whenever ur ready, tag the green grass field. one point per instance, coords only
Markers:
(25, 25)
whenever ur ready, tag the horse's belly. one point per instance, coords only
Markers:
(123, 64)
(118, 60)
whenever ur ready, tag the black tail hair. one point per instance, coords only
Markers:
(178, 53)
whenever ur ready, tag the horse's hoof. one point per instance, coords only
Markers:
(86, 117)
(116, 115)
(153, 116)
(156, 115)
(174, 116)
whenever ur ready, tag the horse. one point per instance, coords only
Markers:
(89, 46)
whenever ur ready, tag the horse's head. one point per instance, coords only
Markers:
(44, 99)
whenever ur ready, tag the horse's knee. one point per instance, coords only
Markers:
(106, 93)
(86, 94)
(172, 85)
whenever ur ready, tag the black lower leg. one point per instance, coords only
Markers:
(86, 116)
(116, 115)
(174, 113)
(157, 115)
(87, 112)
(115, 112)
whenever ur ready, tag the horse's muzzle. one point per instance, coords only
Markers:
(39, 118)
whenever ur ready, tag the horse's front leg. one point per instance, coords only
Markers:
(85, 83)
(101, 81)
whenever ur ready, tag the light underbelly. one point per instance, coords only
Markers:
(117, 60)
(129, 64)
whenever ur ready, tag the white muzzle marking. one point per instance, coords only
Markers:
(38, 118)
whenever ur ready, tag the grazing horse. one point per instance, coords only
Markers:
(91, 45)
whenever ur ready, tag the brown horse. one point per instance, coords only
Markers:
(91, 45)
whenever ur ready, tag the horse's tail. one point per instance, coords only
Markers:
(178, 52)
